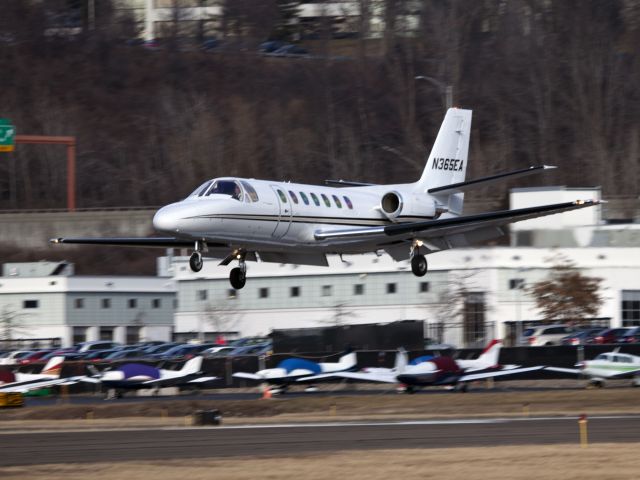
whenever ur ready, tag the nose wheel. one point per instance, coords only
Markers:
(419, 265)
(195, 261)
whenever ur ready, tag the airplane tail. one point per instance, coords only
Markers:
(447, 162)
(489, 356)
(347, 361)
(53, 366)
(401, 360)
(192, 366)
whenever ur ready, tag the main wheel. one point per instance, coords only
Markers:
(419, 265)
(195, 261)
(237, 278)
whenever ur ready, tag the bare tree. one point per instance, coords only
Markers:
(567, 294)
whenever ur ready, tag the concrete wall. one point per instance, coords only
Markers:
(34, 229)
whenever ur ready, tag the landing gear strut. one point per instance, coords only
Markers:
(195, 261)
(418, 261)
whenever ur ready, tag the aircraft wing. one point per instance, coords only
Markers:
(385, 377)
(159, 242)
(250, 376)
(22, 387)
(203, 379)
(498, 373)
(573, 371)
(454, 225)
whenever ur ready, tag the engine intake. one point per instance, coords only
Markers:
(411, 207)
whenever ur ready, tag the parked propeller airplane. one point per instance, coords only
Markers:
(133, 376)
(294, 369)
(606, 366)
(25, 382)
(431, 371)
(239, 219)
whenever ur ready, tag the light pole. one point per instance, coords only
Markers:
(447, 90)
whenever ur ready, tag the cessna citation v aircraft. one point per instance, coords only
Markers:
(240, 219)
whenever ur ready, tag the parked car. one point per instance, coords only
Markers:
(258, 349)
(631, 336)
(610, 335)
(219, 351)
(290, 51)
(33, 357)
(581, 337)
(96, 345)
(545, 335)
(13, 357)
(156, 349)
(125, 355)
(184, 351)
(98, 355)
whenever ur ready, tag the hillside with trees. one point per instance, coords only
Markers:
(549, 82)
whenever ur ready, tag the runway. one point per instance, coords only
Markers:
(84, 445)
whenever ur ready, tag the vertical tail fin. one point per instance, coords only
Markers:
(192, 366)
(53, 366)
(401, 360)
(490, 354)
(447, 162)
(348, 361)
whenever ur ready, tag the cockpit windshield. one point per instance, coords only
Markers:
(226, 187)
(198, 192)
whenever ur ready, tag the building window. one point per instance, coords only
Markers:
(79, 334)
(326, 290)
(516, 283)
(232, 294)
(156, 303)
(424, 287)
(106, 333)
(133, 303)
(30, 304)
(78, 303)
(105, 303)
(391, 287)
(295, 291)
(133, 334)
(263, 292)
(358, 289)
(473, 319)
(201, 294)
(630, 308)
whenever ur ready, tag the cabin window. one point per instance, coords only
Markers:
(348, 202)
(283, 197)
(293, 197)
(326, 200)
(337, 200)
(304, 198)
(314, 197)
(252, 195)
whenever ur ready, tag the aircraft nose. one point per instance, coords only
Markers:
(165, 220)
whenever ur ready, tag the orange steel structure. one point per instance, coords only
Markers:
(70, 142)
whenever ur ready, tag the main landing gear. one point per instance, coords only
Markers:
(418, 261)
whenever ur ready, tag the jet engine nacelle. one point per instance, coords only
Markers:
(394, 205)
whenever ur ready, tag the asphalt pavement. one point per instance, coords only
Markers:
(82, 445)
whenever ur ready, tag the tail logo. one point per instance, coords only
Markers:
(452, 164)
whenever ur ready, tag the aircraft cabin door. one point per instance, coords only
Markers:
(285, 212)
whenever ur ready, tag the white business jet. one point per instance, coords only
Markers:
(240, 219)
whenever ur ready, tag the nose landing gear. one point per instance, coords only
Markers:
(195, 261)
(238, 275)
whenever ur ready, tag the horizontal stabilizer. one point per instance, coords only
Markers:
(481, 182)
(498, 373)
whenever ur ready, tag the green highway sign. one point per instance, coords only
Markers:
(7, 136)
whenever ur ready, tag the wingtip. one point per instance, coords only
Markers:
(55, 240)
